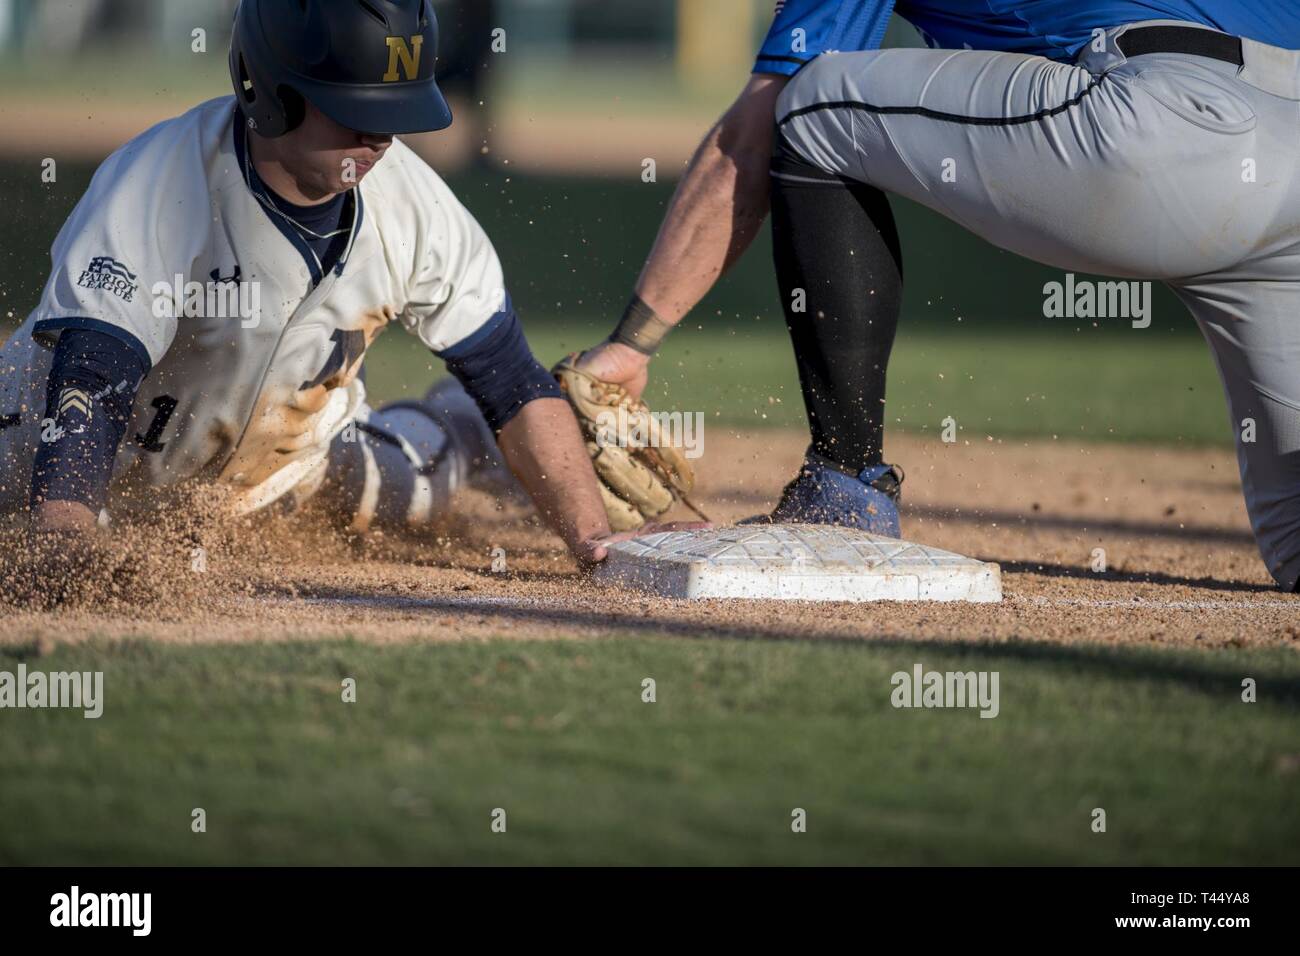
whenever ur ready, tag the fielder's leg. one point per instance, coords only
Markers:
(1082, 166)
(837, 256)
(1179, 166)
(1253, 328)
(842, 300)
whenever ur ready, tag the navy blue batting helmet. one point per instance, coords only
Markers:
(366, 64)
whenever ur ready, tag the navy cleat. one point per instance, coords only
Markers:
(822, 493)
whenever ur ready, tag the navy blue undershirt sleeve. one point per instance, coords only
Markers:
(88, 399)
(498, 369)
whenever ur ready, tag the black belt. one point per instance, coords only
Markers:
(1217, 46)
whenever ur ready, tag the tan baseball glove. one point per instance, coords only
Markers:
(640, 474)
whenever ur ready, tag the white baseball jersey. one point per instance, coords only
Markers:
(254, 365)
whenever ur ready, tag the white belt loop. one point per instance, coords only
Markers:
(1271, 68)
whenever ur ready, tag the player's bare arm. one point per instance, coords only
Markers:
(714, 216)
(544, 449)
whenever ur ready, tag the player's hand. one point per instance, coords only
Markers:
(612, 362)
(595, 550)
(63, 516)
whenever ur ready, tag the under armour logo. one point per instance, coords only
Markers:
(220, 279)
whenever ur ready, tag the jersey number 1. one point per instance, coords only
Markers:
(165, 405)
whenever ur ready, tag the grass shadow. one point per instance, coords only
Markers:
(1216, 677)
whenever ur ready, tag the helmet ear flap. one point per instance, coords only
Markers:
(295, 107)
(269, 110)
(245, 90)
(258, 113)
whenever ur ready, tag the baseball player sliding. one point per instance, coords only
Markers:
(215, 291)
(1145, 139)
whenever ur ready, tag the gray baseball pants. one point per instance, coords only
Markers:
(1165, 166)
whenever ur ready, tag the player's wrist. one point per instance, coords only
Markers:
(641, 329)
(584, 538)
(625, 355)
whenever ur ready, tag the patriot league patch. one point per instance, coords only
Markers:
(108, 274)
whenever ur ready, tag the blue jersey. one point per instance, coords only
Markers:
(1057, 29)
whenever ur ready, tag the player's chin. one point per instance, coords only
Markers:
(359, 172)
(344, 183)
(349, 175)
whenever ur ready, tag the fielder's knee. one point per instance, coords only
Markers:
(810, 128)
(790, 167)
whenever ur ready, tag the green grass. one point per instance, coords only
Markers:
(742, 733)
(1034, 383)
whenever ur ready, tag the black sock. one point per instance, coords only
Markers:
(836, 240)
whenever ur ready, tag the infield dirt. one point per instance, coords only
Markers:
(1181, 565)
